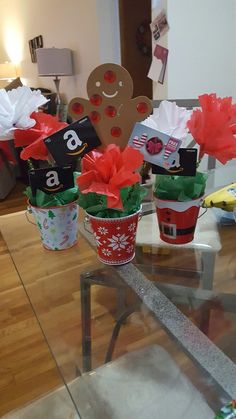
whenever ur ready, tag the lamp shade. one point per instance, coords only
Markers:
(54, 62)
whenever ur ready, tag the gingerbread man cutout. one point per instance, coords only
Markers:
(110, 108)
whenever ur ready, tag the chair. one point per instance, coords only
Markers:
(185, 103)
(206, 241)
(7, 177)
(146, 383)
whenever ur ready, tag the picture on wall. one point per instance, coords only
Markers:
(34, 44)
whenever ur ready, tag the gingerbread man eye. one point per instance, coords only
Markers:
(121, 84)
(98, 84)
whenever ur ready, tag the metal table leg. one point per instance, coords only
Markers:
(208, 261)
(85, 288)
(87, 279)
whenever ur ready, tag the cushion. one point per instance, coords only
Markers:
(144, 384)
(56, 405)
(14, 84)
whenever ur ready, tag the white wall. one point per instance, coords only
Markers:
(81, 25)
(201, 42)
(109, 31)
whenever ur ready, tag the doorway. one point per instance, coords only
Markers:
(136, 43)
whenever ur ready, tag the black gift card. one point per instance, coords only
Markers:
(72, 142)
(51, 179)
(186, 166)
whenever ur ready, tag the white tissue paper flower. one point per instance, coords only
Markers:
(16, 106)
(170, 119)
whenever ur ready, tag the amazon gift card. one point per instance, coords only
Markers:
(51, 179)
(72, 142)
(184, 164)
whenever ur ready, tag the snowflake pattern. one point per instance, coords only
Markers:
(132, 227)
(118, 242)
(97, 238)
(106, 252)
(103, 230)
(130, 249)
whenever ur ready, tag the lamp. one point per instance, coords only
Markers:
(54, 62)
(7, 71)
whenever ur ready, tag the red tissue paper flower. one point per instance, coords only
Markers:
(45, 126)
(107, 172)
(213, 127)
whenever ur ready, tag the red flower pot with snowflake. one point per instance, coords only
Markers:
(110, 192)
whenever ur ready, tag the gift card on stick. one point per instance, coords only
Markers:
(157, 148)
(184, 164)
(72, 142)
(51, 179)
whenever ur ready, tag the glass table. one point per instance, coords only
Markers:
(153, 338)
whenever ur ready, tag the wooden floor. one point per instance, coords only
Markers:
(27, 368)
(15, 201)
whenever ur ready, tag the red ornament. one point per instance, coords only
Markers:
(142, 107)
(95, 117)
(109, 76)
(110, 111)
(96, 100)
(116, 132)
(77, 108)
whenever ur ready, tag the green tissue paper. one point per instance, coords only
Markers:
(96, 204)
(180, 188)
(41, 199)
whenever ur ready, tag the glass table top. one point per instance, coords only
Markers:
(153, 337)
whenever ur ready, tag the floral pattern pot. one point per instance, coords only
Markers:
(58, 226)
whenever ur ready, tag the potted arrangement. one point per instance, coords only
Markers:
(55, 213)
(111, 194)
(178, 198)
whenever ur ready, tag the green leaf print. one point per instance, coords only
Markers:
(51, 214)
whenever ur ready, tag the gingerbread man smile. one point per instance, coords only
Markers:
(110, 107)
(106, 94)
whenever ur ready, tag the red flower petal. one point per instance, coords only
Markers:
(45, 126)
(37, 150)
(86, 179)
(212, 127)
(108, 172)
(112, 193)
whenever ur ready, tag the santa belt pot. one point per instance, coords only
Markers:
(180, 215)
